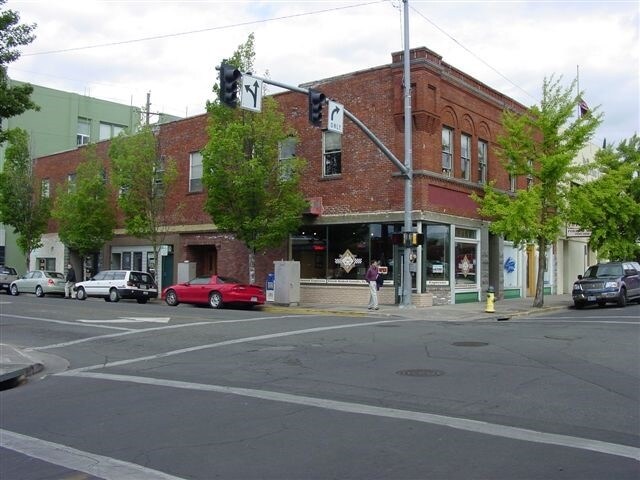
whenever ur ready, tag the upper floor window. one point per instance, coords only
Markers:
(110, 130)
(158, 177)
(195, 172)
(286, 151)
(71, 182)
(465, 156)
(331, 153)
(447, 150)
(45, 188)
(513, 182)
(530, 174)
(84, 131)
(483, 149)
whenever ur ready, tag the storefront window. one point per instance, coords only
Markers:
(437, 254)
(466, 264)
(309, 247)
(343, 252)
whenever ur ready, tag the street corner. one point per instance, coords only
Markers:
(15, 366)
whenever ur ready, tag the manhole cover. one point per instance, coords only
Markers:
(420, 372)
(469, 344)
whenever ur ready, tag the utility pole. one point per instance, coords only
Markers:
(408, 182)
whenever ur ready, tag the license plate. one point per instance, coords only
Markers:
(254, 299)
(591, 298)
(146, 293)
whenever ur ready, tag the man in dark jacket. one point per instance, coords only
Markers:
(371, 277)
(71, 281)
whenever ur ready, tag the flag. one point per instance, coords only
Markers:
(584, 108)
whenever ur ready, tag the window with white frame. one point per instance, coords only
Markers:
(286, 152)
(530, 174)
(195, 172)
(465, 156)
(84, 131)
(110, 130)
(158, 177)
(45, 188)
(332, 153)
(447, 150)
(512, 182)
(483, 149)
(71, 182)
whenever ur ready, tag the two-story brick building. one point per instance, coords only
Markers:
(356, 193)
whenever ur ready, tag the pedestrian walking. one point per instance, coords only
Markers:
(371, 277)
(71, 281)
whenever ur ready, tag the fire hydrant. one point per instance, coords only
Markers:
(491, 298)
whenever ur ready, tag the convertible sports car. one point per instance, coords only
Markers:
(215, 291)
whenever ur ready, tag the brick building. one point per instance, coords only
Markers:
(356, 193)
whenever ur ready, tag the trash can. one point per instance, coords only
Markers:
(270, 287)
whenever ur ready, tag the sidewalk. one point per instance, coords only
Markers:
(16, 364)
(504, 309)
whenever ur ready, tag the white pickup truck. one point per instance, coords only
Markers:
(7, 275)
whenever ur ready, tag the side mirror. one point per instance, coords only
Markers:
(579, 277)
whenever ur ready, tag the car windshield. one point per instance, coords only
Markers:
(601, 271)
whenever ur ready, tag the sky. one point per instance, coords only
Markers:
(121, 50)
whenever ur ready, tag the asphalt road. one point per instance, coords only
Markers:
(153, 392)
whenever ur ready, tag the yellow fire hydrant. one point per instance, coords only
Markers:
(491, 299)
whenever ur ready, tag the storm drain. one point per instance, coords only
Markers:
(420, 372)
(469, 344)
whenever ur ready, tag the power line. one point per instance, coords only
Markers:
(473, 54)
(179, 34)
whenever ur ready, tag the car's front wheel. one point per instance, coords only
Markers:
(215, 300)
(113, 295)
(622, 298)
(171, 298)
(14, 290)
(39, 291)
(81, 294)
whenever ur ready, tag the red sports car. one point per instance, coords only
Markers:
(215, 291)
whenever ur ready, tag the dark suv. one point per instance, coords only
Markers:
(614, 282)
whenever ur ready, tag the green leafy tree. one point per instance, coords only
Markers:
(22, 204)
(251, 193)
(609, 206)
(83, 209)
(14, 100)
(541, 145)
(143, 179)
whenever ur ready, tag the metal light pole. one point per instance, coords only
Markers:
(408, 183)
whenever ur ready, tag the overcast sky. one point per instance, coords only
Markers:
(120, 50)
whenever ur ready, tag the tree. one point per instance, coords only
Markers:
(14, 100)
(83, 209)
(541, 144)
(22, 204)
(251, 193)
(609, 206)
(143, 178)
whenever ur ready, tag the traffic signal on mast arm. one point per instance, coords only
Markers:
(316, 101)
(229, 84)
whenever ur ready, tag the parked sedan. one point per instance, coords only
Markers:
(40, 282)
(613, 282)
(215, 291)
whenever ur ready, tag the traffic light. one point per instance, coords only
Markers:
(316, 101)
(229, 80)
(416, 239)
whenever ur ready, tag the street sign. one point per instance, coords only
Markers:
(336, 117)
(251, 93)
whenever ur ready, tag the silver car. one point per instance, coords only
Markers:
(40, 282)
